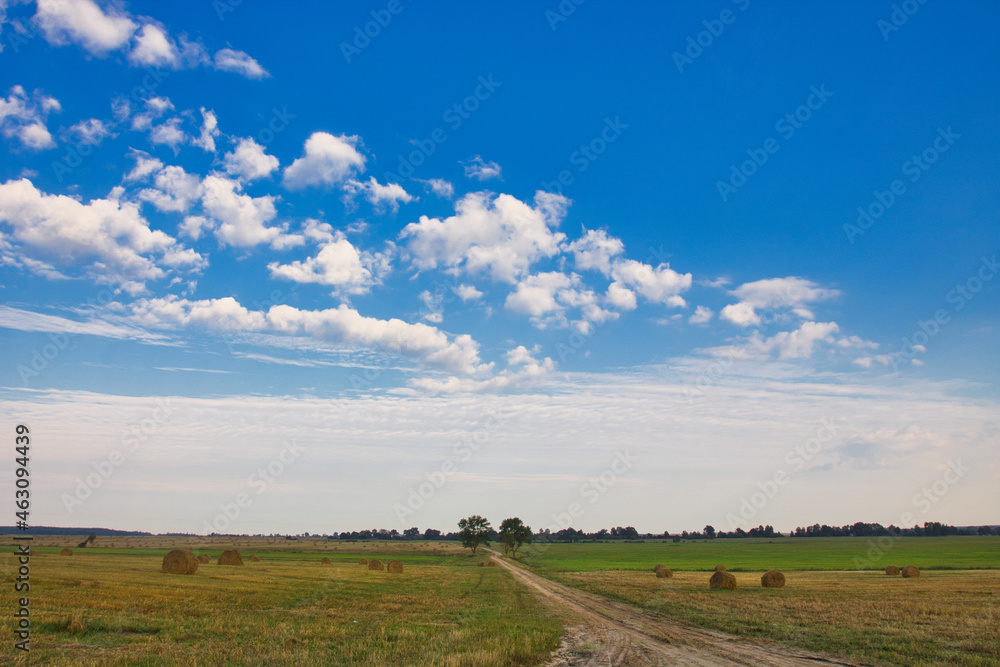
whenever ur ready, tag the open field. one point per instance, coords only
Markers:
(112, 605)
(818, 553)
(114, 608)
(945, 616)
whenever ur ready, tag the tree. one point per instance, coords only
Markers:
(411, 533)
(513, 534)
(474, 531)
(710, 532)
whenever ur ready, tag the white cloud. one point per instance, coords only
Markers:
(740, 314)
(82, 22)
(168, 133)
(328, 161)
(502, 236)
(522, 368)
(797, 344)
(546, 297)
(153, 48)
(595, 250)
(92, 131)
(467, 292)
(701, 315)
(380, 196)
(658, 285)
(536, 294)
(339, 264)
(621, 297)
(792, 293)
(26, 320)
(23, 118)
(112, 236)
(209, 131)
(481, 170)
(242, 219)
(439, 187)
(342, 325)
(144, 166)
(248, 161)
(176, 190)
(231, 60)
(155, 108)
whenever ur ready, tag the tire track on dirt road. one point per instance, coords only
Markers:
(605, 632)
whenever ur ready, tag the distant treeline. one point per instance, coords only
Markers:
(929, 529)
(627, 533)
(55, 530)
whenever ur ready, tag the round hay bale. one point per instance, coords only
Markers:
(255, 558)
(66, 552)
(180, 561)
(910, 572)
(772, 579)
(395, 567)
(722, 581)
(492, 563)
(664, 573)
(325, 560)
(720, 568)
(362, 561)
(204, 558)
(230, 557)
(892, 569)
(482, 564)
(658, 567)
(375, 564)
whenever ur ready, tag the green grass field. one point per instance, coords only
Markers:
(950, 615)
(786, 554)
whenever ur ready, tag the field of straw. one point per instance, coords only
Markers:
(115, 606)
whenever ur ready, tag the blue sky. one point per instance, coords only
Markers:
(475, 259)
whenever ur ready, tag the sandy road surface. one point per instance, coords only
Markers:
(605, 632)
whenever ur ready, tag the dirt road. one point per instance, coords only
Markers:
(604, 632)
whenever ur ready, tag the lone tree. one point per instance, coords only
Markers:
(474, 531)
(513, 534)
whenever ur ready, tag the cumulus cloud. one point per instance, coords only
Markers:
(657, 285)
(155, 107)
(439, 187)
(153, 48)
(327, 161)
(522, 368)
(109, 238)
(92, 131)
(381, 197)
(500, 236)
(84, 23)
(339, 264)
(231, 60)
(168, 133)
(239, 219)
(701, 315)
(209, 131)
(248, 161)
(546, 297)
(145, 165)
(797, 344)
(594, 251)
(791, 293)
(23, 118)
(175, 190)
(342, 325)
(481, 170)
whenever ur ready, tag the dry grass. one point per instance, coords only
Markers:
(119, 609)
(942, 617)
